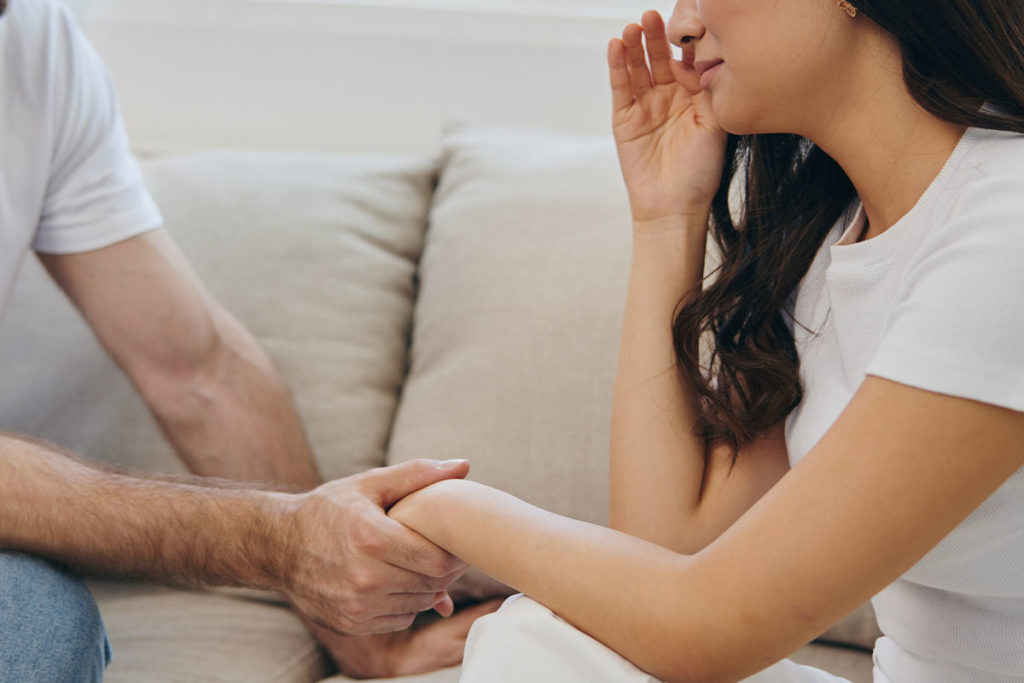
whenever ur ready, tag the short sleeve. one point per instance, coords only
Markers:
(95, 195)
(957, 324)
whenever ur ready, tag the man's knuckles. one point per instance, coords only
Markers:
(366, 539)
(364, 582)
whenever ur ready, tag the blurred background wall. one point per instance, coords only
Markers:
(352, 75)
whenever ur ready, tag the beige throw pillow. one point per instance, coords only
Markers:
(522, 286)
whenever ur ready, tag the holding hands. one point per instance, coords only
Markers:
(353, 570)
(670, 147)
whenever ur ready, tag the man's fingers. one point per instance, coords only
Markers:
(381, 578)
(457, 626)
(446, 607)
(388, 624)
(402, 547)
(398, 604)
(658, 50)
(388, 485)
(462, 620)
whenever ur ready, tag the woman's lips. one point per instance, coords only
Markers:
(707, 71)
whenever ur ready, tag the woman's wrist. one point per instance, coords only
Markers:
(693, 226)
(426, 510)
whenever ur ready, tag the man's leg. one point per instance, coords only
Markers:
(50, 627)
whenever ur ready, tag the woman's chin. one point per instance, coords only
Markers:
(733, 124)
(727, 116)
(736, 119)
(734, 115)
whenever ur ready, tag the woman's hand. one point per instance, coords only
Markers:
(671, 149)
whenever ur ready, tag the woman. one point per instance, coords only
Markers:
(856, 425)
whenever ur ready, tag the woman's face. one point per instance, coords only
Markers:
(783, 63)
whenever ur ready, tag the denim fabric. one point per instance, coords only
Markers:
(50, 627)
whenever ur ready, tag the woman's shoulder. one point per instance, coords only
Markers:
(984, 187)
(992, 155)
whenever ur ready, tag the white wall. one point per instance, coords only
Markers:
(351, 75)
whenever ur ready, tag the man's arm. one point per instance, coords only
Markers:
(212, 389)
(221, 403)
(59, 507)
(331, 551)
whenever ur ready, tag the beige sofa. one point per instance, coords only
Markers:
(465, 304)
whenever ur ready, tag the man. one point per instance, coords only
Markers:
(70, 191)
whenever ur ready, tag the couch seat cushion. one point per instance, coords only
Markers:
(176, 635)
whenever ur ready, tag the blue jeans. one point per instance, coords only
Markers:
(50, 627)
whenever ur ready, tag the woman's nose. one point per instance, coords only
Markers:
(684, 26)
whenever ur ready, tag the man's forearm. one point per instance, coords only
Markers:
(233, 417)
(57, 507)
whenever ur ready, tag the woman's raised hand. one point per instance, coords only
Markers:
(670, 147)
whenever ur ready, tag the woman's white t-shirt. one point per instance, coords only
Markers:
(935, 302)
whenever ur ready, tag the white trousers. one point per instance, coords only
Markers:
(525, 642)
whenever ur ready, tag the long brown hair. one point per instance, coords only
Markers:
(957, 55)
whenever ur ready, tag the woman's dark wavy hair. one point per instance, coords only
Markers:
(957, 56)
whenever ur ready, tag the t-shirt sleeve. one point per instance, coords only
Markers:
(957, 326)
(96, 195)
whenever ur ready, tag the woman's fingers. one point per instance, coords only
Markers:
(642, 59)
(687, 77)
(622, 91)
(658, 51)
(636, 60)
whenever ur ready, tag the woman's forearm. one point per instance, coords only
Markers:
(657, 462)
(624, 591)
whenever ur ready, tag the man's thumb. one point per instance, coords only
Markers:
(391, 484)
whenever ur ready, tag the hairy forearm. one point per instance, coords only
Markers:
(640, 599)
(57, 507)
(657, 462)
(232, 416)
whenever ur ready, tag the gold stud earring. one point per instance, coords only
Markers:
(850, 10)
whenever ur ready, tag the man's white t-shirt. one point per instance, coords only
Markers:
(935, 302)
(68, 181)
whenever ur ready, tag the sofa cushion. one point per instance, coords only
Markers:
(522, 286)
(315, 253)
(161, 633)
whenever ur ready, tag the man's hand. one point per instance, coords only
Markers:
(406, 653)
(351, 569)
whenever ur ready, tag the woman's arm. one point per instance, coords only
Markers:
(664, 487)
(887, 482)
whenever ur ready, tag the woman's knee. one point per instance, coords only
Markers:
(526, 641)
(50, 626)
